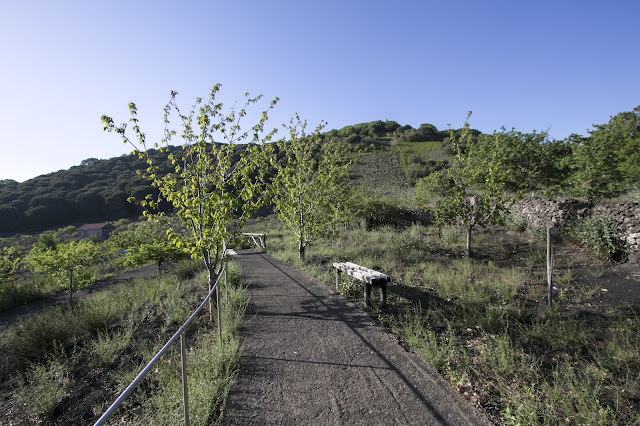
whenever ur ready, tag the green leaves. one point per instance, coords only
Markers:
(470, 191)
(311, 185)
(9, 262)
(607, 162)
(218, 179)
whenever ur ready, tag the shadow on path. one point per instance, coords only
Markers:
(310, 357)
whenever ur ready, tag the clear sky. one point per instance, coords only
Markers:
(559, 65)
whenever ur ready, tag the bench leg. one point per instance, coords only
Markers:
(367, 294)
(337, 278)
(383, 294)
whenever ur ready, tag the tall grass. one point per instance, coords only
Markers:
(484, 324)
(28, 288)
(108, 338)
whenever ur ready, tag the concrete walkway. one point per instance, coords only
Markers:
(311, 358)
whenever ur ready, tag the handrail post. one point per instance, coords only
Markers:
(226, 282)
(219, 314)
(185, 389)
(549, 268)
(71, 286)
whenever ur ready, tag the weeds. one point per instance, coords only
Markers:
(109, 346)
(43, 386)
(484, 325)
(106, 340)
(598, 234)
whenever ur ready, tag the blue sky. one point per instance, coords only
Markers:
(560, 66)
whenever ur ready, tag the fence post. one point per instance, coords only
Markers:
(219, 315)
(549, 268)
(226, 281)
(185, 389)
(70, 286)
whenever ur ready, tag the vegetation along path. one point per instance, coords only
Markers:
(62, 298)
(310, 357)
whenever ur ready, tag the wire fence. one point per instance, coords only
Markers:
(73, 265)
(25, 288)
(178, 335)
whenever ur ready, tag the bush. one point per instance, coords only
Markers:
(378, 212)
(188, 268)
(598, 234)
(515, 223)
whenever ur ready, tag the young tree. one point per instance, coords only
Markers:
(9, 262)
(146, 242)
(44, 257)
(310, 190)
(470, 190)
(218, 181)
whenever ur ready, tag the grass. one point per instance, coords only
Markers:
(380, 170)
(484, 325)
(27, 289)
(43, 386)
(67, 366)
(422, 149)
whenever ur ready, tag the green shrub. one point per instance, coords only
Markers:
(188, 268)
(515, 223)
(598, 234)
(43, 386)
(378, 212)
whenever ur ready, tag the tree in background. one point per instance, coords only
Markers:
(470, 191)
(9, 262)
(146, 242)
(50, 254)
(608, 161)
(529, 161)
(310, 192)
(216, 183)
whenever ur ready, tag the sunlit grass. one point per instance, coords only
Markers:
(485, 326)
(104, 332)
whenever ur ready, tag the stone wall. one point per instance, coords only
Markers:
(540, 213)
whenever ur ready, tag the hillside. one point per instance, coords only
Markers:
(387, 160)
(97, 190)
(94, 191)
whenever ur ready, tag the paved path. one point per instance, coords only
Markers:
(311, 358)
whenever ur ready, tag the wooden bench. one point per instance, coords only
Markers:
(366, 275)
(259, 240)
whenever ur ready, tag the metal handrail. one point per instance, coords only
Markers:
(178, 334)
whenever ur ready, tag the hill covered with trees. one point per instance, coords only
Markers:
(605, 163)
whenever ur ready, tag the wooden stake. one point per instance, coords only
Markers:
(549, 268)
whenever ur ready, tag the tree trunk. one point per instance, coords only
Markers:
(468, 247)
(301, 250)
(210, 303)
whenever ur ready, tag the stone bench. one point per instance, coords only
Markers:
(368, 276)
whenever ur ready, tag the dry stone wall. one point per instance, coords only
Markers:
(540, 212)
